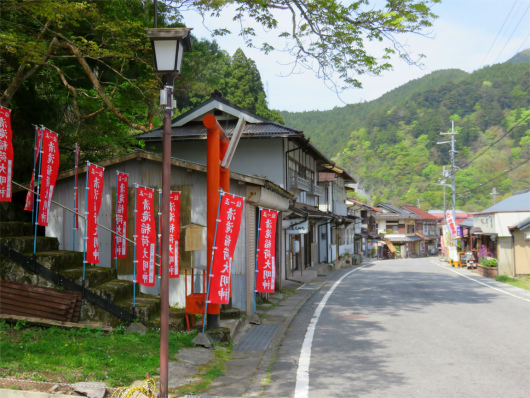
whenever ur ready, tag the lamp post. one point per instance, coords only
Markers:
(168, 45)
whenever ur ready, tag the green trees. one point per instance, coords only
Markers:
(490, 109)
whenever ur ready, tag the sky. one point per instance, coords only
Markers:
(468, 35)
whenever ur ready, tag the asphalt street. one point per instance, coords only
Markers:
(408, 328)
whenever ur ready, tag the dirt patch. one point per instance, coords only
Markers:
(50, 388)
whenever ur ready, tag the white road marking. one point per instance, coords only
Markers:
(302, 374)
(481, 283)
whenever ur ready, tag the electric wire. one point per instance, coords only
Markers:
(509, 38)
(498, 33)
(495, 142)
(494, 178)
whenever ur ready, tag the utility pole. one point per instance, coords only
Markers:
(453, 152)
(494, 193)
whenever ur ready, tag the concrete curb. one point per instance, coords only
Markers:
(6, 393)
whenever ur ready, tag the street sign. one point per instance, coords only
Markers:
(296, 226)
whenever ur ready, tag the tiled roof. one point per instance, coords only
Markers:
(422, 214)
(197, 130)
(395, 212)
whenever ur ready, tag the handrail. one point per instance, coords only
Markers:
(59, 280)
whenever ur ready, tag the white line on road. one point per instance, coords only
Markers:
(485, 284)
(302, 374)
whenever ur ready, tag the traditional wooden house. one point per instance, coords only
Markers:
(281, 154)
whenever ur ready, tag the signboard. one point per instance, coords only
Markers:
(6, 155)
(120, 220)
(95, 175)
(228, 225)
(48, 174)
(266, 270)
(145, 236)
(451, 223)
(296, 226)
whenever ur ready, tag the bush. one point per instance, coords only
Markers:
(488, 262)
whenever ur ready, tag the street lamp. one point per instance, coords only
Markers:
(168, 45)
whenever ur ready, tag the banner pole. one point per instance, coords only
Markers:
(257, 252)
(115, 214)
(35, 160)
(86, 220)
(159, 237)
(221, 193)
(134, 261)
(38, 192)
(76, 181)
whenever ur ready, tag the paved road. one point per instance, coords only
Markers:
(410, 328)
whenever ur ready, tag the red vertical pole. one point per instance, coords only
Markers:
(212, 201)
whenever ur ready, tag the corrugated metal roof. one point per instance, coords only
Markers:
(197, 130)
(519, 201)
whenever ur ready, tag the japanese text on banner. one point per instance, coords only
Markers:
(230, 213)
(174, 234)
(266, 275)
(145, 236)
(29, 196)
(49, 167)
(95, 192)
(6, 155)
(119, 244)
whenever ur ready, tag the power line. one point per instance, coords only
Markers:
(522, 44)
(494, 178)
(507, 41)
(489, 147)
(499, 32)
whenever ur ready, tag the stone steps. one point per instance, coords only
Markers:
(24, 244)
(100, 280)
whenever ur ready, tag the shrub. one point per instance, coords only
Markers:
(489, 262)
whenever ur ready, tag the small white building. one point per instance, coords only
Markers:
(492, 227)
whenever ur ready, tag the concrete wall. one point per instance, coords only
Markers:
(522, 253)
(505, 256)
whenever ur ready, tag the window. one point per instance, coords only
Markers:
(410, 229)
(426, 229)
(395, 229)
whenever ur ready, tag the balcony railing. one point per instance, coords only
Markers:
(318, 190)
(300, 183)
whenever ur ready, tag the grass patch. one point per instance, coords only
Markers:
(70, 356)
(522, 282)
(207, 373)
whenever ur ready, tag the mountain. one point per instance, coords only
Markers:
(522, 57)
(390, 144)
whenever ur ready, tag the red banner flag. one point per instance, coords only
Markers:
(95, 192)
(228, 224)
(49, 168)
(29, 196)
(266, 275)
(145, 236)
(6, 155)
(120, 220)
(174, 234)
(76, 189)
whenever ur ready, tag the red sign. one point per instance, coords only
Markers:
(145, 236)
(6, 155)
(120, 220)
(29, 197)
(266, 275)
(228, 224)
(174, 234)
(76, 190)
(94, 194)
(451, 223)
(49, 167)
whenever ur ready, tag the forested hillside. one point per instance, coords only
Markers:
(390, 144)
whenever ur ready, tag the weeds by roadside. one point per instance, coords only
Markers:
(70, 356)
(522, 282)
